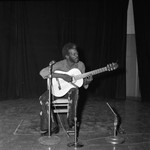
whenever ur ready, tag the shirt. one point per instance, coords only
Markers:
(62, 66)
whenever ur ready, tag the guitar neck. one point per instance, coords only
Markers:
(94, 72)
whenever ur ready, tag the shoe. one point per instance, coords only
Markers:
(44, 132)
(54, 131)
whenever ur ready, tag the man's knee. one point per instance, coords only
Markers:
(44, 97)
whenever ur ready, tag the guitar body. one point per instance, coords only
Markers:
(60, 87)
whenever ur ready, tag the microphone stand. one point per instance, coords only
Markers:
(49, 140)
(75, 144)
(115, 139)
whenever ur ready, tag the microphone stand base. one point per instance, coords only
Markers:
(49, 140)
(115, 139)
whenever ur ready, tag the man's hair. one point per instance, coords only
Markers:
(66, 48)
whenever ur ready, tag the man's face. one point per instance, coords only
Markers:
(73, 55)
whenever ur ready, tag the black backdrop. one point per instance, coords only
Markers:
(142, 30)
(32, 34)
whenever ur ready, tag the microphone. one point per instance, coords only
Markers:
(50, 68)
(52, 63)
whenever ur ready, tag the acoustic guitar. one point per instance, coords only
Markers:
(60, 87)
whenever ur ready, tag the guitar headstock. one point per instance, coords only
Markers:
(112, 66)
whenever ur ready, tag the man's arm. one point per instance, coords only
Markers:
(63, 76)
(44, 73)
(86, 80)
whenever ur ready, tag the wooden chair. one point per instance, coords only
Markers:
(61, 105)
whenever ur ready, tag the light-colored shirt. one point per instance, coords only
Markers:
(62, 66)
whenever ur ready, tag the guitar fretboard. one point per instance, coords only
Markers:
(94, 72)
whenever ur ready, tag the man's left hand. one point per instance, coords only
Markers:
(87, 81)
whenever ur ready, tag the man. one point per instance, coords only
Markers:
(70, 61)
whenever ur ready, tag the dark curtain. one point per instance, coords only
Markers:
(32, 34)
(142, 32)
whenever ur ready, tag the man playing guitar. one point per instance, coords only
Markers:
(64, 83)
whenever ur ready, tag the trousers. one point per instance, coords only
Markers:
(44, 108)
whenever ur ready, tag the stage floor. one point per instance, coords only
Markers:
(20, 126)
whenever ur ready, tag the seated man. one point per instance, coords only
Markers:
(70, 61)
